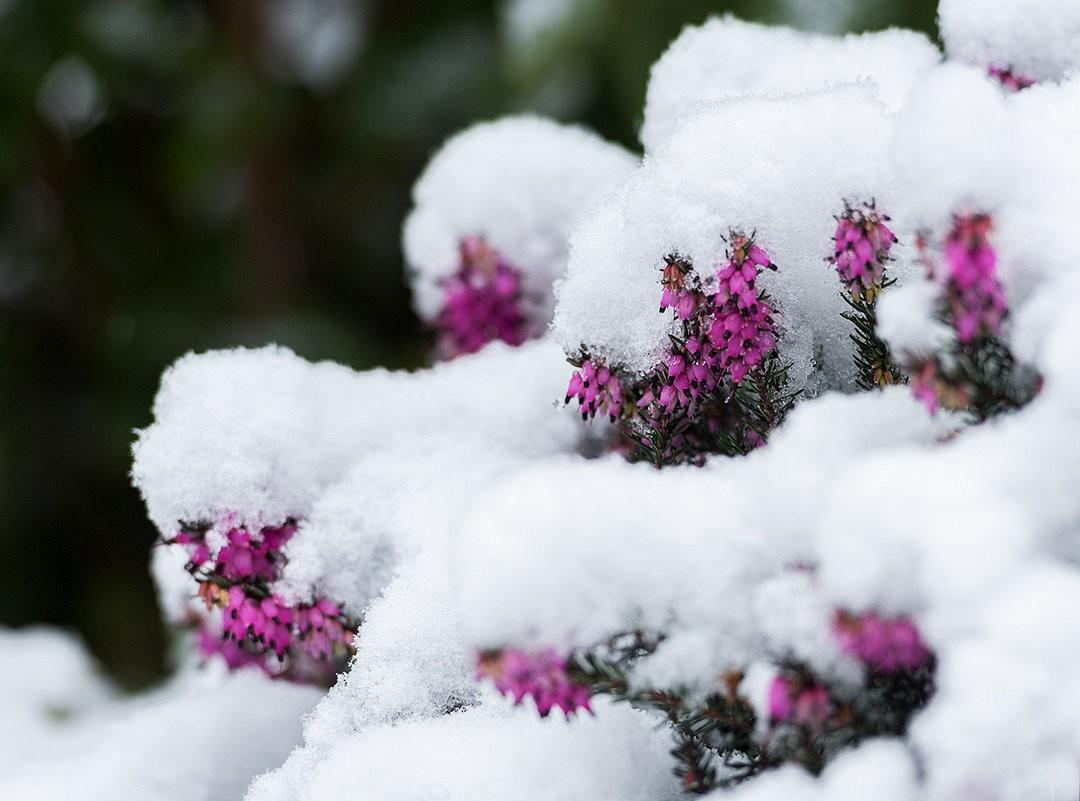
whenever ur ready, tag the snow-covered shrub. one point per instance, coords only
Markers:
(491, 214)
(854, 607)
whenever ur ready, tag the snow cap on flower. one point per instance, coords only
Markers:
(777, 167)
(1039, 39)
(518, 184)
(726, 57)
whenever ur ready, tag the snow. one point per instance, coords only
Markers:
(1039, 39)
(726, 57)
(617, 756)
(453, 508)
(780, 167)
(48, 682)
(749, 527)
(64, 734)
(521, 183)
(264, 435)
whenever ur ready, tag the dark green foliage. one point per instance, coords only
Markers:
(873, 361)
(718, 741)
(991, 378)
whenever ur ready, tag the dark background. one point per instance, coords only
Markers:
(176, 176)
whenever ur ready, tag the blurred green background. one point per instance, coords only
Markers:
(199, 174)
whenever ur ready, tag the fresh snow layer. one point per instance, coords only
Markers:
(726, 57)
(48, 685)
(1038, 39)
(492, 753)
(780, 168)
(65, 735)
(265, 435)
(521, 183)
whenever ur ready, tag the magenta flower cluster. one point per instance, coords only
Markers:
(541, 675)
(795, 700)
(726, 333)
(253, 623)
(597, 389)
(974, 294)
(884, 644)
(1013, 81)
(861, 249)
(742, 331)
(483, 302)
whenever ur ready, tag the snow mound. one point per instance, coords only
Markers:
(726, 57)
(1038, 39)
(519, 182)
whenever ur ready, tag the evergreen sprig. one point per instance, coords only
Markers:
(875, 364)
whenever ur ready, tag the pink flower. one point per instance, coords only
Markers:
(975, 297)
(254, 623)
(597, 389)
(792, 700)
(924, 386)
(541, 674)
(679, 292)
(211, 645)
(885, 644)
(742, 331)
(1012, 81)
(482, 302)
(861, 249)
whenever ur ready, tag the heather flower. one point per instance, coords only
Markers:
(742, 331)
(793, 700)
(483, 302)
(256, 624)
(924, 386)
(597, 389)
(679, 293)
(975, 297)
(1012, 81)
(885, 644)
(861, 249)
(935, 390)
(541, 674)
(212, 645)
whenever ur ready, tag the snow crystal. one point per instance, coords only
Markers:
(519, 182)
(1039, 39)
(778, 167)
(726, 57)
